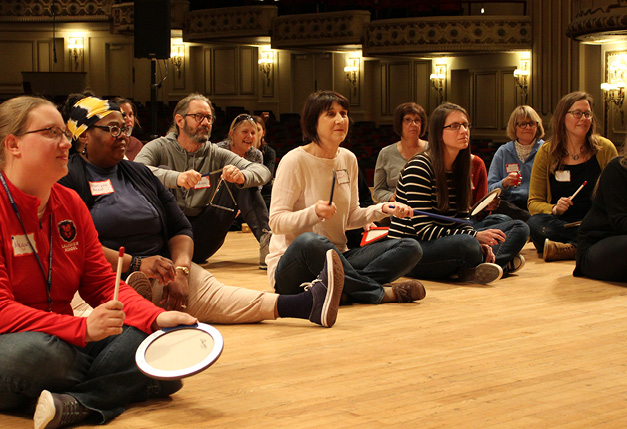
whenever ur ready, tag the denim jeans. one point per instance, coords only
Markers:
(102, 376)
(365, 268)
(488, 221)
(211, 226)
(544, 225)
(445, 256)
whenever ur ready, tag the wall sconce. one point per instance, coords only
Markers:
(266, 62)
(437, 81)
(352, 73)
(75, 49)
(614, 89)
(176, 56)
(521, 76)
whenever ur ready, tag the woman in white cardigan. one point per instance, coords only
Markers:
(315, 200)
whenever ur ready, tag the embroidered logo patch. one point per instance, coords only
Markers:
(67, 230)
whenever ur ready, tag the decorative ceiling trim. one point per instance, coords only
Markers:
(447, 34)
(319, 29)
(601, 19)
(66, 11)
(228, 23)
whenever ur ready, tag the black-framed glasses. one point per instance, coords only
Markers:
(455, 126)
(199, 117)
(409, 121)
(54, 133)
(530, 124)
(577, 114)
(116, 130)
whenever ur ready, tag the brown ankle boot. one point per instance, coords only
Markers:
(556, 251)
(55, 410)
(407, 291)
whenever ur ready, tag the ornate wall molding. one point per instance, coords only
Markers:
(596, 19)
(122, 14)
(65, 11)
(319, 29)
(447, 34)
(228, 23)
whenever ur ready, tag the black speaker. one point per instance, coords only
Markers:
(152, 29)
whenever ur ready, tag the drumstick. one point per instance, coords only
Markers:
(439, 216)
(332, 188)
(211, 172)
(577, 191)
(118, 274)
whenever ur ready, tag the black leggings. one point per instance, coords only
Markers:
(605, 260)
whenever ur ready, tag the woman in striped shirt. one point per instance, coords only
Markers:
(438, 182)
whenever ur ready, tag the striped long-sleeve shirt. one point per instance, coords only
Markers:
(417, 188)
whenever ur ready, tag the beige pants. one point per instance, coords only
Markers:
(211, 301)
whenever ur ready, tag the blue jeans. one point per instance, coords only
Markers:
(365, 268)
(102, 376)
(489, 220)
(544, 225)
(445, 256)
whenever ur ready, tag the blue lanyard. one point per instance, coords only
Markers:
(41, 266)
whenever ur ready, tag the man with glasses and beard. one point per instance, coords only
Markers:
(204, 178)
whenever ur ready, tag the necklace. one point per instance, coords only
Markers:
(576, 156)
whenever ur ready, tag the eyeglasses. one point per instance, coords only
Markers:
(408, 121)
(54, 133)
(577, 114)
(455, 126)
(116, 130)
(200, 117)
(530, 124)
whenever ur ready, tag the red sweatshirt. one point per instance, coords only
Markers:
(78, 263)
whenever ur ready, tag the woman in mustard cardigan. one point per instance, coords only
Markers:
(574, 154)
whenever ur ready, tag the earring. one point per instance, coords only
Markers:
(84, 152)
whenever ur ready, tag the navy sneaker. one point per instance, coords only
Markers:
(327, 291)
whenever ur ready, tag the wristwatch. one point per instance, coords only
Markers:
(184, 269)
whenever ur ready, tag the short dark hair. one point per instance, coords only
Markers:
(315, 104)
(409, 108)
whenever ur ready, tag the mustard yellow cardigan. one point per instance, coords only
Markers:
(539, 185)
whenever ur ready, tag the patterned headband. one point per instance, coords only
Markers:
(87, 112)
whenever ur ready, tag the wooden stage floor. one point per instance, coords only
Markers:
(539, 349)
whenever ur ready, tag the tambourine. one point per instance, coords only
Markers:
(485, 201)
(179, 352)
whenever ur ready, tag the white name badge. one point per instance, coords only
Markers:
(101, 188)
(562, 175)
(342, 177)
(204, 183)
(21, 246)
(512, 168)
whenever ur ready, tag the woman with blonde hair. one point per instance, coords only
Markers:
(78, 367)
(574, 155)
(510, 169)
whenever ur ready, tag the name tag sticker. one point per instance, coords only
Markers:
(342, 177)
(101, 188)
(21, 246)
(512, 168)
(562, 175)
(204, 183)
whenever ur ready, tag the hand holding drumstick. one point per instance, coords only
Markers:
(565, 202)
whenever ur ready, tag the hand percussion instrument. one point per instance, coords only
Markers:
(485, 201)
(374, 234)
(179, 352)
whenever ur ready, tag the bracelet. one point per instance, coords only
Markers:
(136, 262)
(182, 268)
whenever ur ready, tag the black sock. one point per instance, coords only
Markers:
(298, 306)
